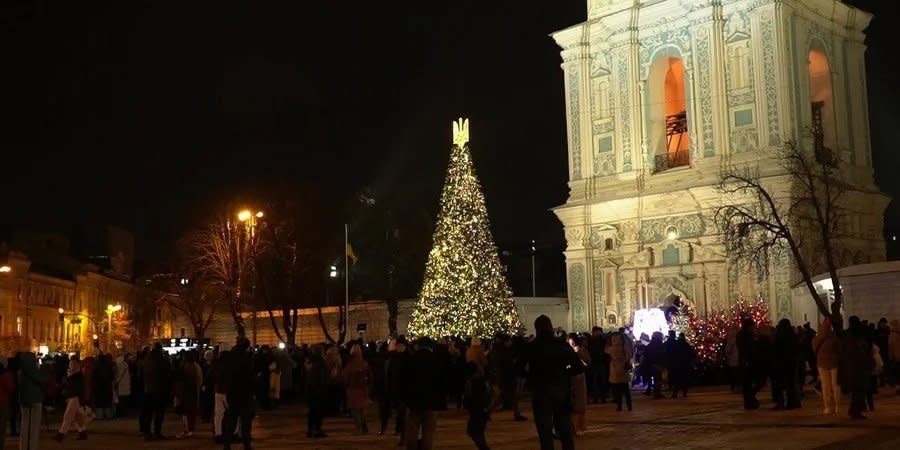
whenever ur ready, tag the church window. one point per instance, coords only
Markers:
(739, 66)
(668, 114)
(608, 244)
(822, 104)
(601, 100)
(671, 256)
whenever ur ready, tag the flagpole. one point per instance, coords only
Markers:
(533, 278)
(346, 280)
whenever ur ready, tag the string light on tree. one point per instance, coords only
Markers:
(711, 334)
(464, 292)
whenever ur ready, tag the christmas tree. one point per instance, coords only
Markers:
(465, 291)
(710, 334)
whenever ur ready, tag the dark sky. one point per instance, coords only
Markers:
(150, 115)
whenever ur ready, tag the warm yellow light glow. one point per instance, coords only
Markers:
(61, 311)
(114, 308)
(259, 214)
(244, 215)
(95, 337)
(5, 269)
(461, 132)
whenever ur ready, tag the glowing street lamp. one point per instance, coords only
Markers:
(5, 269)
(244, 215)
(110, 309)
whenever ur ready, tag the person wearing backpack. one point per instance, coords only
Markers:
(476, 399)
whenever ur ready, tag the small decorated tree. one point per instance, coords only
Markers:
(711, 333)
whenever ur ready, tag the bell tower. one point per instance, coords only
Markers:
(660, 96)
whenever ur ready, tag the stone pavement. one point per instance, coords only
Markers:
(707, 418)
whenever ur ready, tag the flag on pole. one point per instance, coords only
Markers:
(351, 254)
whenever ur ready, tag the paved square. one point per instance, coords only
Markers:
(708, 418)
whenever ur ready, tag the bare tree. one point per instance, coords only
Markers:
(196, 298)
(342, 327)
(224, 253)
(805, 218)
(281, 271)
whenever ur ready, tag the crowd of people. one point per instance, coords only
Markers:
(409, 381)
(857, 361)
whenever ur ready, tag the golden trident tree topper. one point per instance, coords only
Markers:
(461, 132)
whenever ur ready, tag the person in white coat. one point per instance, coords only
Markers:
(122, 385)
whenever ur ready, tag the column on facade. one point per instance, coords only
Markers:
(858, 116)
(578, 268)
(717, 64)
(576, 70)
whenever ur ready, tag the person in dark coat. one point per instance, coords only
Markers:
(395, 369)
(549, 364)
(238, 378)
(378, 363)
(422, 395)
(856, 366)
(477, 395)
(747, 347)
(653, 363)
(680, 364)
(157, 374)
(598, 371)
(104, 376)
(786, 359)
(316, 392)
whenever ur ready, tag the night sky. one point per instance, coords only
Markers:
(152, 115)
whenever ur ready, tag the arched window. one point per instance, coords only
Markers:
(668, 132)
(608, 244)
(822, 98)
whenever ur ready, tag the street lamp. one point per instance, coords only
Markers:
(5, 269)
(110, 309)
(251, 219)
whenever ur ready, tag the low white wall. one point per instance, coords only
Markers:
(374, 314)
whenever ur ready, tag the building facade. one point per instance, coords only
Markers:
(661, 95)
(30, 303)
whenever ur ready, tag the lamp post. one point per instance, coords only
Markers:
(533, 278)
(110, 309)
(249, 218)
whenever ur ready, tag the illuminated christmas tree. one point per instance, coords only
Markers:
(683, 321)
(465, 291)
(710, 334)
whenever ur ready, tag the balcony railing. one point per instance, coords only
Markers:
(672, 160)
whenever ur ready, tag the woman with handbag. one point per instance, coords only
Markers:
(73, 391)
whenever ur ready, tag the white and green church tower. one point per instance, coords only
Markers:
(660, 96)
